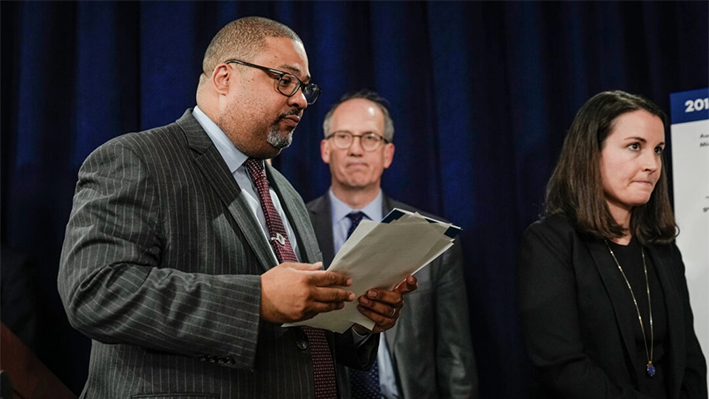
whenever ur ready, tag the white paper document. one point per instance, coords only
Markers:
(381, 255)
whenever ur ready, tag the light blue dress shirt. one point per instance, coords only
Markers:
(340, 225)
(235, 162)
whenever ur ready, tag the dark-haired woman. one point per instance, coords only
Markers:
(603, 298)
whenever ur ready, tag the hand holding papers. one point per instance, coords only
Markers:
(381, 255)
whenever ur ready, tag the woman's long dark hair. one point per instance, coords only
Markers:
(575, 189)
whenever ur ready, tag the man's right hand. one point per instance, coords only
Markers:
(293, 292)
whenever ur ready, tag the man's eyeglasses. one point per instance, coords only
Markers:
(288, 84)
(369, 141)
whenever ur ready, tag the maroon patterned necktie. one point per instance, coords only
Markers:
(323, 365)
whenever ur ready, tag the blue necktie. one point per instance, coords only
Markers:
(365, 384)
(355, 218)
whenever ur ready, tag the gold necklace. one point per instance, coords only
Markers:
(649, 354)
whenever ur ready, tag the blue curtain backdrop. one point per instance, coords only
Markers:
(481, 96)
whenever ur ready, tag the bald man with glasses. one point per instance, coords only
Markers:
(428, 354)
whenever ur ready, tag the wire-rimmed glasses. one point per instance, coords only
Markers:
(369, 141)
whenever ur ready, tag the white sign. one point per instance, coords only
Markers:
(690, 172)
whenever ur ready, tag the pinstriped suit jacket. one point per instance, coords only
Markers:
(160, 268)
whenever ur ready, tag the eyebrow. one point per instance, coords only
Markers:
(295, 70)
(641, 139)
(350, 132)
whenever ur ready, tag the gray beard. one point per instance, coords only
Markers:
(277, 140)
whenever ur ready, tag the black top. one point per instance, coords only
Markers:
(630, 259)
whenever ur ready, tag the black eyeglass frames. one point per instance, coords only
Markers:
(288, 84)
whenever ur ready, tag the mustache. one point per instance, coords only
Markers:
(294, 111)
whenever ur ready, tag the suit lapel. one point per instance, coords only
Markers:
(625, 314)
(296, 214)
(321, 216)
(220, 178)
(675, 352)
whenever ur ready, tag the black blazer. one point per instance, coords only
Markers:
(579, 325)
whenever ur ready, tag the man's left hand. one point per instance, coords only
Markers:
(383, 307)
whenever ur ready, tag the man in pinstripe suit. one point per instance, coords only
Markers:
(167, 264)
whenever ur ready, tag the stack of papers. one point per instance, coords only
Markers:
(381, 255)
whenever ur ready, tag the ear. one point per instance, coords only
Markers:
(325, 150)
(221, 77)
(388, 154)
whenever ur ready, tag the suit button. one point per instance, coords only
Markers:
(202, 358)
(221, 360)
(301, 340)
(212, 359)
(229, 361)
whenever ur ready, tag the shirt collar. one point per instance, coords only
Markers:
(340, 210)
(232, 156)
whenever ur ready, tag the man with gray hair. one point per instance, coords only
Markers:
(358, 147)
(185, 252)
